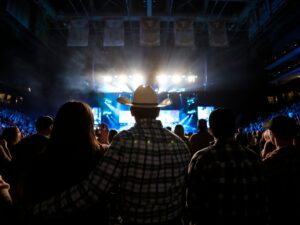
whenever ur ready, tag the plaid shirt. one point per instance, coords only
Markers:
(227, 185)
(149, 166)
(283, 166)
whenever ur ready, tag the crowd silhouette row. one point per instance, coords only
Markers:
(68, 171)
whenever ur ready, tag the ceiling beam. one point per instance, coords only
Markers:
(47, 8)
(170, 6)
(149, 8)
(224, 6)
(73, 7)
(245, 13)
(163, 17)
(205, 6)
(128, 7)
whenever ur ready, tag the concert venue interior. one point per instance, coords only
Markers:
(203, 54)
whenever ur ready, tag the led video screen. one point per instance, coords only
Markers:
(165, 116)
(97, 115)
(203, 112)
(169, 116)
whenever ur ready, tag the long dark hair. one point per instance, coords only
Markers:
(73, 129)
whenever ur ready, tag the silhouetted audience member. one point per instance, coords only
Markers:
(241, 137)
(12, 136)
(169, 128)
(26, 151)
(283, 166)
(111, 134)
(6, 209)
(268, 145)
(9, 138)
(226, 183)
(201, 139)
(146, 164)
(72, 152)
(5, 156)
(101, 133)
(179, 131)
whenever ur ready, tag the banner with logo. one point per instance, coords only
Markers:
(113, 33)
(217, 34)
(184, 33)
(78, 33)
(150, 31)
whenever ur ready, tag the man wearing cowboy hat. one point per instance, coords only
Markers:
(147, 164)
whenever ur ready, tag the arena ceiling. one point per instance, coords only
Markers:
(30, 62)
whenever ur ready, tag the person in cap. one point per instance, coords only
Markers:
(145, 165)
(226, 183)
(283, 167)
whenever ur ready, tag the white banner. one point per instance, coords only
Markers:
(184, 33)
(113, 33)
(78, 33)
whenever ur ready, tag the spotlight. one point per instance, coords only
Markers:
(123, 79)
(176, 79)
(162, 79)
(138, 80)
(191, 79)
(107, 79)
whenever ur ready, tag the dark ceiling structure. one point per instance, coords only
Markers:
(234, 12)
(36, 54)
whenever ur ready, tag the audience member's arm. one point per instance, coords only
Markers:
(4, 192)
(81, 196)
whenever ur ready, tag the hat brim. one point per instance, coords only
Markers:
(126, 101)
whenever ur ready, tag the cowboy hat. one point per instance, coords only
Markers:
(144, 97)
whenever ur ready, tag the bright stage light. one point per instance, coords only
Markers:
(123, 79)
(162, 79)
(191, 79)
(138, 80)
(125, 82)
(176, 79)
(107, 79)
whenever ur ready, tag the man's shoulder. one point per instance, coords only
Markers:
(203, 153)
(202, 134)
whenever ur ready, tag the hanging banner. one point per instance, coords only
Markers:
(78, 33)
(113, 33)
(217, 34)
(150, 31)
(184, 33)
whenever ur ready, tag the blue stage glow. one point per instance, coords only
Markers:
(192, 111)
(97, 115)
(204, 111)
(118, 116)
